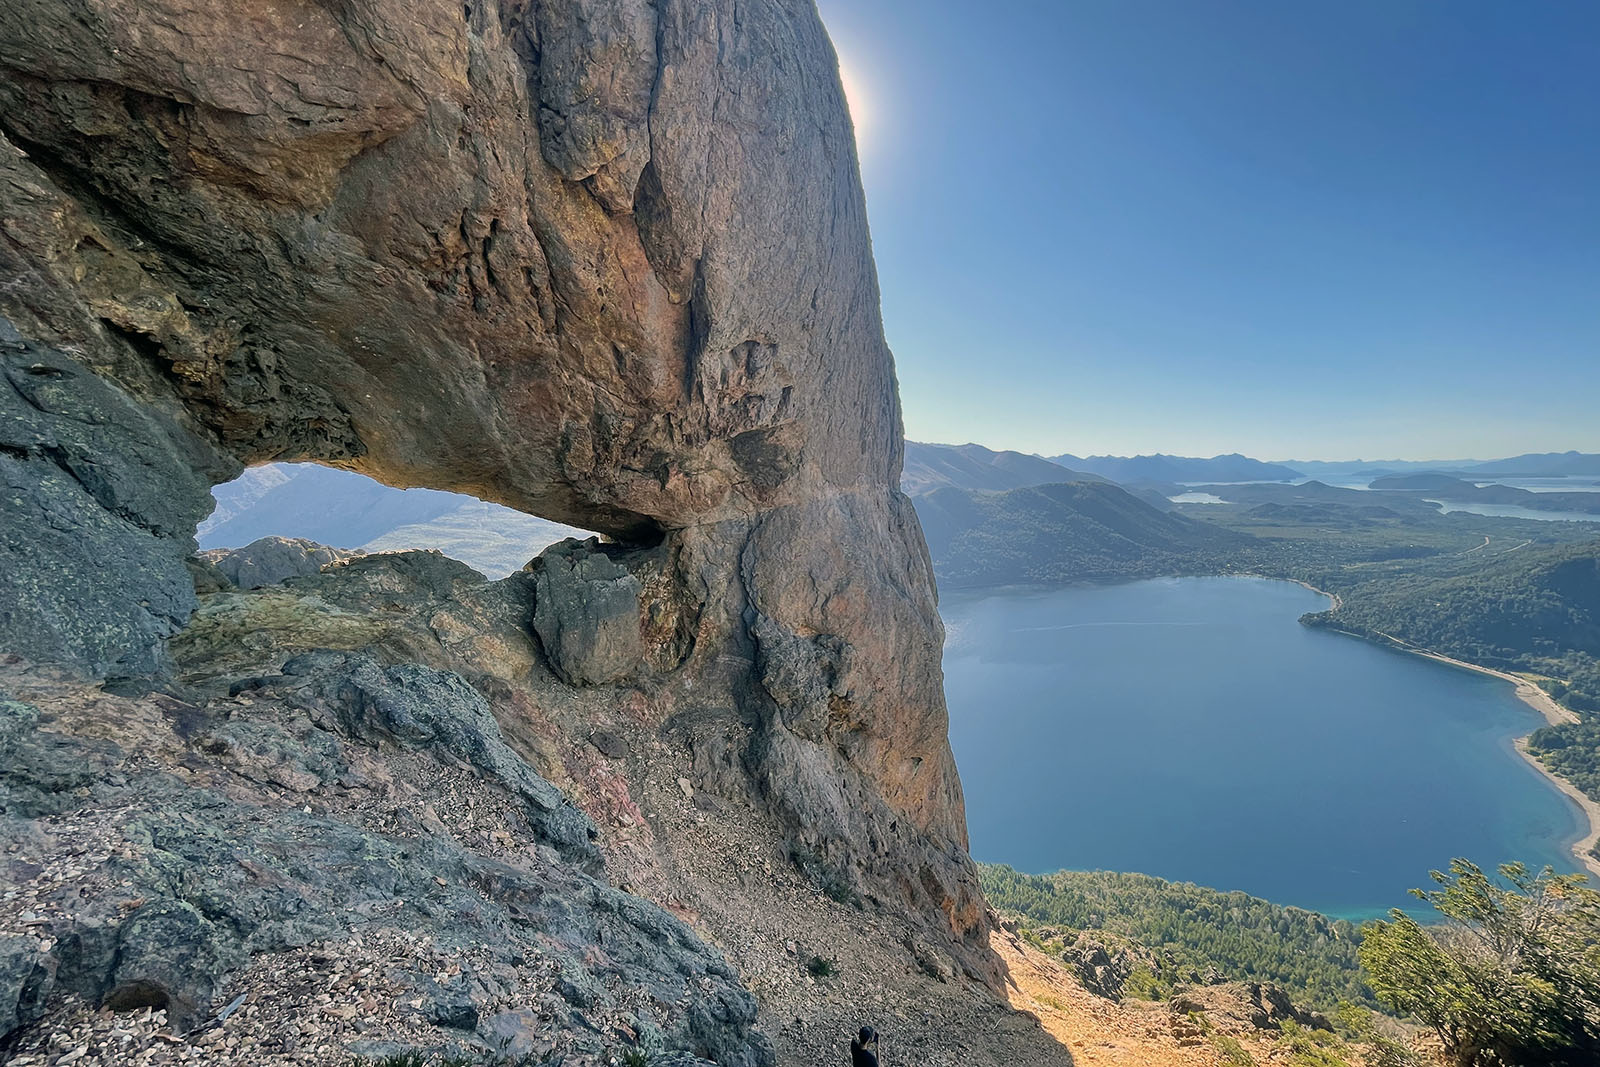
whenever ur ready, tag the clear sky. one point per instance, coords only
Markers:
(1313, 229)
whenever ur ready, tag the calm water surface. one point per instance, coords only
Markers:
(1514, 511)
(1190, 728)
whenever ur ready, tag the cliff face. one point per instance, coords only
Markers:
(603, 261)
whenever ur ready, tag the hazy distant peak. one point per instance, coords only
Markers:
(1542, 465)
(972, 466)
(1160, 467)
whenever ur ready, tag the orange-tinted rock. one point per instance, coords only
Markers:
(604, 261)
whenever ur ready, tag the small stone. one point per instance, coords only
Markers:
(687, 787)
(609, 744)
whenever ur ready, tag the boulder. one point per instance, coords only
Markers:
(273, 560)
(1242, 1006)
(27, 976)
(99, 497)
(586, 613)
(1102, 970)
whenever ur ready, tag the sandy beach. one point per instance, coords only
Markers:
(1542, 702)
(1581, 847)
(1554, 714)
(1537, 699)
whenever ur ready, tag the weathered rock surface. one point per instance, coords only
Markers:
(272, 561)
(147, 866)
(1240, 1006)
(98, 500)
(1102, 970)
(604, 261)
(586, 613)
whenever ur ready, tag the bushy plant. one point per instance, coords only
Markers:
(1511, 977)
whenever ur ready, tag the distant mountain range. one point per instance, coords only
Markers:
(929, 467)
(989, 516)
(347, 510)
(1542, 465)
(1132, 470)
(1531, 465)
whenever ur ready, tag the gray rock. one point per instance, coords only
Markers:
(27, 976)
(1102, 971)
(609, 744)
(169, 956)
(98, 501)
(800, 674)
(1242, 1005)
(586, 613)
(220, 882)
(273, 561)
(420, 707)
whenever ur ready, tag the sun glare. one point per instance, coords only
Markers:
(860, 104)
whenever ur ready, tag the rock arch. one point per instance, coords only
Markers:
(603, 261)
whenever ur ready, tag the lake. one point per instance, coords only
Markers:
(1513, 511)
(1191, 728)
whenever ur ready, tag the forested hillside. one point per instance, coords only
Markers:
(929, 467)
(1057, 533)
(1535, 610)
(1200, 929)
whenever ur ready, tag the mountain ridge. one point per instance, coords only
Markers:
(1064, 531)
(972, 466)
(1158, 467)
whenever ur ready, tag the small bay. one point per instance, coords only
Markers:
(1192, 729)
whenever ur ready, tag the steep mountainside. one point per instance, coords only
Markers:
(1131, 470)
(1056, 533)
(930, 467)
(601, 261)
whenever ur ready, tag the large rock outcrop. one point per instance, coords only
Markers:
(604, 261)
(341, 827)
(269, 561)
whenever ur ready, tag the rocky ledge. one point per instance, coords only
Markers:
(343, 858)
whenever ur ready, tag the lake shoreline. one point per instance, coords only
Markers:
(1553, 713)
(1525, 690)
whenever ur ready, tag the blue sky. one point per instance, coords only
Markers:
(1332, 229)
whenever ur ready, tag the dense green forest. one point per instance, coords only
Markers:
(1189, 928)
(1535, 610)
(1572, 751)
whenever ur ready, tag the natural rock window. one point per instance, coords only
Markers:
(294, 516)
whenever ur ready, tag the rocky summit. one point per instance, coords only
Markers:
(683, 791)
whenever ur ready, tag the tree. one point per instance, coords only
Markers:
(1511, 978)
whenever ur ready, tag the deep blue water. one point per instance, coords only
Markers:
(1192, 729)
